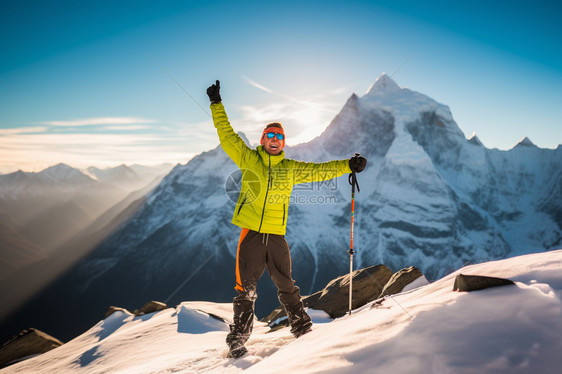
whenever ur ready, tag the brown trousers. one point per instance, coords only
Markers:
(255, 253)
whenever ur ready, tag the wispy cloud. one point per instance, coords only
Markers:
(109, 141)
(34, 149)
(22, 130)
(257, 85)
(126, 128)
(338, 90)
(318, 100)
(302, 119)
(98, 121)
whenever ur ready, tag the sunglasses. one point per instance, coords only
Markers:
(270, 135)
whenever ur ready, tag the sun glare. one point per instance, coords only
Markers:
(309, 122)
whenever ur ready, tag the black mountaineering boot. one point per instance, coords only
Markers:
(236, 349)
(242, 327)
(298, 319)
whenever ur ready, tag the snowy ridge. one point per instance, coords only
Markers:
(121, 176)
(382, 86)
(63, 172)
(65, 178)
(422, 197)
(510, 329)
(59, 178)
(42, 210)
(475, 140)
(526, 142)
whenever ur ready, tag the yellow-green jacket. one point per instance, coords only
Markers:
(267, 180)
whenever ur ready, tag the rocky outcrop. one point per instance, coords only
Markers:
(26, 344)
(150, 307)
(368, 283)
(112, 309)
(467, 283)
(399, 280)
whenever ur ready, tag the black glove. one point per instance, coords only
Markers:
(214, 93)
(357, 163)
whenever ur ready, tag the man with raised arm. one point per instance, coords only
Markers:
(261, 212)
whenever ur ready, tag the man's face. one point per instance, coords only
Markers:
(273, 145)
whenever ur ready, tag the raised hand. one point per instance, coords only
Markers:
(214, 92)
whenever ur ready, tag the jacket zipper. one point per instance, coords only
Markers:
(266, 192)
(283, 214)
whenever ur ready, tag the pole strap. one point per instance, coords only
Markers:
(352, 179)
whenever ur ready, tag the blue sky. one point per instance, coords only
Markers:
(80, 82)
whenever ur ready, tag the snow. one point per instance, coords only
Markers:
(418, 282)
(430, 329)
(63, 172)
(383, 85)
(475, 140)
(526, 142)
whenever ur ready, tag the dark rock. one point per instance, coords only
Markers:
(113, 309)
(28, 343)
(334, 298)
(399, 280)
(367, 286)
(469, 283)
(150, 307)
(277, 318)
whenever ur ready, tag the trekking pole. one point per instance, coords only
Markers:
(353, 182)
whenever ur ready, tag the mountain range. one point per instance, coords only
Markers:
(40, 211)
(429, 197)
(51, 219)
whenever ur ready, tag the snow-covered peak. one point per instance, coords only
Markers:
(59, 169)
(475, 140)
(408, 108)
(526, 142)
(111, 173)
(63, 172)
(403, 103)
(383, 85)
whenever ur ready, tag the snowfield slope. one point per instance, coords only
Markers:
(431, 329)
